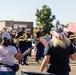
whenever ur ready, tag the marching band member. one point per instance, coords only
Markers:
(39, 46)
(29, 41)
(22, 45)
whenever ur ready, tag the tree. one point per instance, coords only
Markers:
(57, 22)
(44, 18)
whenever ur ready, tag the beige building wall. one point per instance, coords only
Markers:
(2, 25)
(11, 25)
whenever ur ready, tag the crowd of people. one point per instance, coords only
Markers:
(22, 40)
(18, 44)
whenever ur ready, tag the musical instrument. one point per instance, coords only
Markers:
(72, 36)
(23, 37)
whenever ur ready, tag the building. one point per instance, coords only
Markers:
(15, 25)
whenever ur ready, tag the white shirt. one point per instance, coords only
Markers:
(7, 57)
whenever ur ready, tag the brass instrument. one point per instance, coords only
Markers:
(72, 36)
(23, 37)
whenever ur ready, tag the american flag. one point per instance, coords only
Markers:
(45, 40)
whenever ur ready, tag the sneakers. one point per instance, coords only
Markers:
(37, 62)
(26, 64)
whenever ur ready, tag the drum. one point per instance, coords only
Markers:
(35, 73)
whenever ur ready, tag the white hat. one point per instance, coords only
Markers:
(5, 34)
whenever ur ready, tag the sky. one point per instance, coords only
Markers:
(24, 10)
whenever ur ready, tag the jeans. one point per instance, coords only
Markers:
(22, 50)
(7, 73)
(39, 52)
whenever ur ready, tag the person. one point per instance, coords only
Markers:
(74, 44)
(22, 46)
(29, 41)
(7, 55)
(57, 53)
(39, 46)
(4, 29)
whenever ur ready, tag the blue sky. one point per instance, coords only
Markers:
(24, 10)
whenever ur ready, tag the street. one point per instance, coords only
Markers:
(34, 67)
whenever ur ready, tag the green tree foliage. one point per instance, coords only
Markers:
(44, 18)
(57, 22)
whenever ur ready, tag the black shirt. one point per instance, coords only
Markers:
(29, 43)
(59, 57)
(21, 43)
(39, 34)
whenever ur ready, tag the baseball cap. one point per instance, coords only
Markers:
(5, 34)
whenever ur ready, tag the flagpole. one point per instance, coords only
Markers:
(37, 42)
